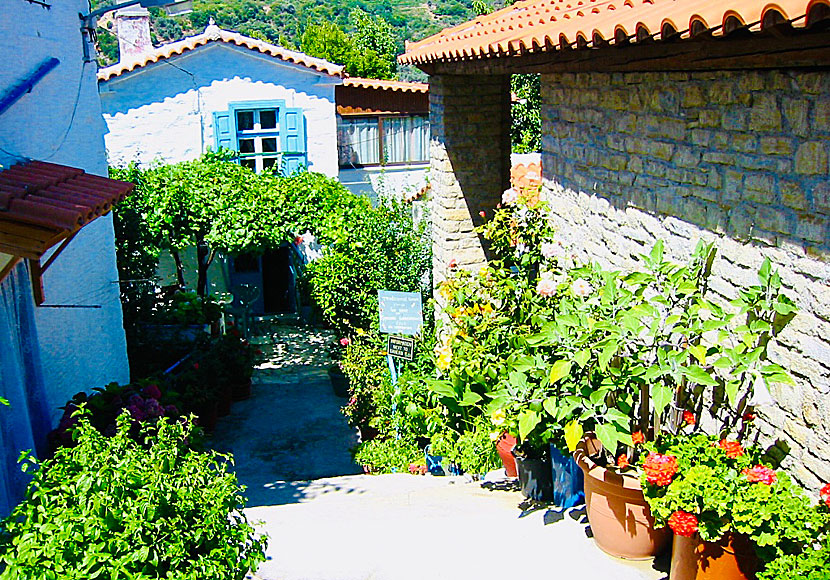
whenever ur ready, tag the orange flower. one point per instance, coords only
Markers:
(638, 438)
(622, 461)
(660, 469)
(760, 474)
(733, 448)
(689, 418)
(683, 523)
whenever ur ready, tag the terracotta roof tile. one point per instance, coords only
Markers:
(405, 87)
(43, 203)
(215, 34)
(531, 26)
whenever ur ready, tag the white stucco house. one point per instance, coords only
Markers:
(60, 315)
(217, 89)
(280, 109)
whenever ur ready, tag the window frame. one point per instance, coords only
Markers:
(257, 135)
(381, 141)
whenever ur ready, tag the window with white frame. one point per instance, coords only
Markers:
(258, 138)
(382, 140)
(268, 135)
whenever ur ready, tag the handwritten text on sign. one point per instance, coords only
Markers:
(400, 312)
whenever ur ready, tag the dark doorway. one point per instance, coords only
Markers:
(278, 280)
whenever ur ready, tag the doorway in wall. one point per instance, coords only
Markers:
(273, 273)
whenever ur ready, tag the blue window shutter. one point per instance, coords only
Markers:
(292, 139)
(223, 133)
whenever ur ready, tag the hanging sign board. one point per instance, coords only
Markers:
(400, 312)
(401, 347)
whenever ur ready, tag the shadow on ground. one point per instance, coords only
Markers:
(290, 431)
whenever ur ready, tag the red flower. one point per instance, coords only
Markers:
(689, 418)
(258, 351)
(760, 474)
(196, 366)
(482, 213)
(453, 263)
(345, 341)
(749, 417)
(622, 461)
(660, 469)
(683, 523)
(825, 495)
(638, 438)
(733, 448)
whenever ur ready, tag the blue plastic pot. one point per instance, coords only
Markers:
(568, 490)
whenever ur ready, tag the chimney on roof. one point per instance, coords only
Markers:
(132, 25)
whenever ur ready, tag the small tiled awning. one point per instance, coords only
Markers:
(43, 204)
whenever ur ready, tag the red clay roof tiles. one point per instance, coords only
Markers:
(544, 25)
(43, 203)
(214, 33)
(405, 87)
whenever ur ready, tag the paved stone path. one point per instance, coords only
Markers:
(327, 521)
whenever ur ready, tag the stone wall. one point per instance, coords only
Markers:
(740, 158)
(470, 163)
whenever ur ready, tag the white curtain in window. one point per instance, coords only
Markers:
(357, 142)
(406, 139)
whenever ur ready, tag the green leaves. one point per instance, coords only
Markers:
(528, 420)
(573, 435)
(558, 370)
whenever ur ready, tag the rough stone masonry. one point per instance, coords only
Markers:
(738, 158)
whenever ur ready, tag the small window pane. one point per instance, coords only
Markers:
(246, 145)
(269, 162)
(357, 141)
(268, 119)
(269, 145)
(249, 163)
(245, 120)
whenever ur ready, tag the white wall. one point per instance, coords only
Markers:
(165, 112)
(60, 121)
(394, 181)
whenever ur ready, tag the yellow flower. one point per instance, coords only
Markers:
(498, 417)
(444, 353)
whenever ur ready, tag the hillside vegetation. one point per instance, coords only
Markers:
(370, 31)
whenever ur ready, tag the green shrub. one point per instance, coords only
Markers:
(383, 250)
(388, 455)
(111, 507)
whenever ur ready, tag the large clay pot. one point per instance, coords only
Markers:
(620, 518)
(731, 558)
(504, 447)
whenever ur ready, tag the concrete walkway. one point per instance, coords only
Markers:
(326, 521)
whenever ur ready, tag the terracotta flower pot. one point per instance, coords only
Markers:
(223, 401)
(620, 518)
(242, 390)
(504, 447)
(731, 558)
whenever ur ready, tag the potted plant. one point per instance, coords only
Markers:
(729, 510)
(631, 351)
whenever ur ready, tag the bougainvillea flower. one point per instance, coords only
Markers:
(749, 417)
(152, 391)
(581, 287)
(733, 448)
(660, 469)
(689, 418)
(510, 196)
(683, 523)
(638, 438)
(622, 461)
(760, 474)
(546, 287)
(825, 494)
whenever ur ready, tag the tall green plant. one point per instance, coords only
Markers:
(111, 507)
